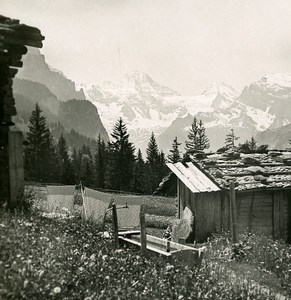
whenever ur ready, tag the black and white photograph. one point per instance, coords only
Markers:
(145, 149)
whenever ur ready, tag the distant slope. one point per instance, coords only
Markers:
(36, 69)
(277, 138)
(80, 116)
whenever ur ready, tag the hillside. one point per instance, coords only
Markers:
(81, 116)
(36, 69)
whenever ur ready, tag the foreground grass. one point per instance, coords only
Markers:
(43, 258)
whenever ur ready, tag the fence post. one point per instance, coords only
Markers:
(115, 225)
(233, 211)
(16, 171)
(143, 236)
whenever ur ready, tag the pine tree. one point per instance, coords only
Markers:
(39, 153)
(174, 155)
(163, 169)
(202, 139)
(153, 164)
(76, 165)
(139, 174)
(87, 166)
(66, 175)
(253, 144)
(230, 139)
(121, 159)
(100, 163)
(192, 142)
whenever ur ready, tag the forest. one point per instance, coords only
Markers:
(116, 165)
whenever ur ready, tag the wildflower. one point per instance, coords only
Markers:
(92, 257)
(25, 283)
(41, 273)
(169, 267)
(104, 257)
(57, 290)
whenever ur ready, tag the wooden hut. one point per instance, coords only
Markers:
(262, 192)
(14, 37)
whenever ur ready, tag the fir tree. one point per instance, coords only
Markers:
(121, 159)
(253, 144)
(76, 165)
(87, 166)
(163, 169)
(153, 164)
(202, 139)
(100, 163)
(230, 139)
(65, 171)
(139, 174)
(192, 142)
(174, 155)
(39, 153)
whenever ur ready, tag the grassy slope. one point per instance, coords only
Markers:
(42, 258)
(38, 255)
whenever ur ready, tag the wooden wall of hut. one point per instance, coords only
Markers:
(261, 211)
(206, 208)
(264, 212)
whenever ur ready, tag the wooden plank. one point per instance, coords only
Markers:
(179, 198)
(225, 211)
(182, 177)
(195, 183)
(198, 178)
(16, 170)
(115, 225)
(143, 238)
(204, 179)
(233, 211)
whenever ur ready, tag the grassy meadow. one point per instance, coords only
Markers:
(47, 257)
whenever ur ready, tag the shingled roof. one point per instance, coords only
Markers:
(248, 171)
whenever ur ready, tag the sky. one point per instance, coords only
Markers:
(183, 44)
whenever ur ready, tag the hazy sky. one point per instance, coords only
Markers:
(185, 45)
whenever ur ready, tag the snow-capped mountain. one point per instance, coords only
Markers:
(265, 104)
(147, 106)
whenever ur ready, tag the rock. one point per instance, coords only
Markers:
(188, 216)
(274, 153)
(261, 178)
(218, 173)
(256, 170)
(229, 178)
(181, 229)
(251, 161)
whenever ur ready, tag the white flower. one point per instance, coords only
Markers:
(104, 257)
(92, 257)
(169, 267)
(57, 290)
(25, 283)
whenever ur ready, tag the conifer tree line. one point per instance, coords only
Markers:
(115, 165)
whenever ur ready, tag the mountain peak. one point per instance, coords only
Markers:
(279, 79)
(221, 88)
(138, 76)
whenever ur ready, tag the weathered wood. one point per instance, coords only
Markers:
(224, 200)
(115, 225)
(16, 171)
(168, 248)
(251, 213)
(143, 237)
(233, 211)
